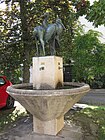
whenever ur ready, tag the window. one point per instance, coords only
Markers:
(2, 81)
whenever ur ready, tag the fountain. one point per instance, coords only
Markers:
(48, 98)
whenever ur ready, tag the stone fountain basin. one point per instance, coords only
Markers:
(48, 104)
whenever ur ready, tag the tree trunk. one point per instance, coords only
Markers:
(25, 39)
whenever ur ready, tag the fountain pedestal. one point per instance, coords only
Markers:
(47, 72)
(51, 127)
(47, 104)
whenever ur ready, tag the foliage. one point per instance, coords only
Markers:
(98, 116)
(8, 117)
(17, 23)
(89, 57)
(95, 74)
(90, 119)
(17, 46)
(81, 6)
(96, 13)
(10, 42)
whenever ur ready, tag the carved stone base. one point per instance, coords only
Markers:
(51, 127)
(47, 72)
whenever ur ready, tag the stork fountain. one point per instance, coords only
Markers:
(48, 98)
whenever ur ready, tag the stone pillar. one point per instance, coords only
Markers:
(47, 72)
(51, 127)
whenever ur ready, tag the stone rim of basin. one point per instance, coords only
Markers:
(20, 89)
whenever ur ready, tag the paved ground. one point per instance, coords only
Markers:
(69, 132)
(94, 97)
(22, 130)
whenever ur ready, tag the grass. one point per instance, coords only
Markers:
(7, 117)
(97, 114)
(92, 120)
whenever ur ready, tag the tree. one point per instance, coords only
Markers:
(89, 57)
(10, 42)
(15, 40)
(96, 13)
(17, 24)
(22, 17)
(26, 38)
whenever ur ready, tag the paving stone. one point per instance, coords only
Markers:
(71, 132)
(90, 138)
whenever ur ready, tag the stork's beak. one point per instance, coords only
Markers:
(63, 26)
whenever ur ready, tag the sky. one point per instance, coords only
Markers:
(89, 25)
(2, 6)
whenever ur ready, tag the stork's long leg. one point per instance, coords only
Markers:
(52, 46)
(43, 46)
(41, 34)
(37, 51)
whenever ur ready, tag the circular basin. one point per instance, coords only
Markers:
(48, 104)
